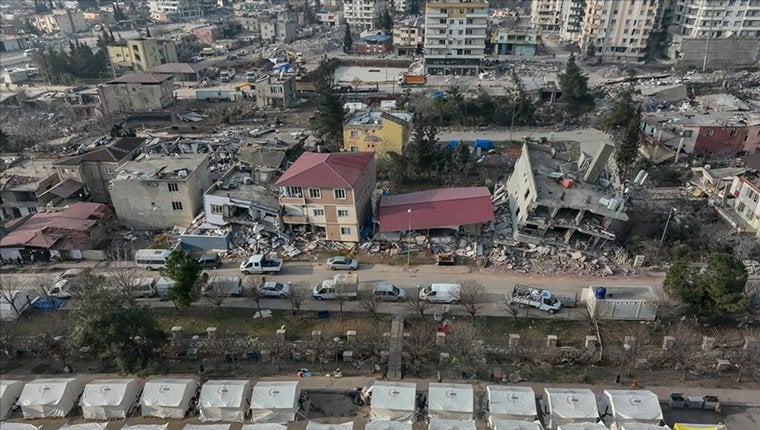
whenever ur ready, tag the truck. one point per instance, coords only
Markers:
(407, 80)
(341, 286)
(227, 75)
(535, 297)
(260, 263)
(223, 286)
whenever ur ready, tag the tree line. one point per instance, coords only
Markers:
(79, 61)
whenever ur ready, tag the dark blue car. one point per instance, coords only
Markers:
(47, 305)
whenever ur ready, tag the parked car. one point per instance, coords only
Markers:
(342, 263)
(43, 304)
(388, 292)
(274, 289)
(242, 52)
(69, 274)
(232, 57)
(441, 293)
(60, 290)
(210, 261)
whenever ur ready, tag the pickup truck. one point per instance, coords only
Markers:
(259, 263)
(60, 290)
(536, 297)
(343, 286)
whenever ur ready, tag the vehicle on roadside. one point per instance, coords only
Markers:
(210, 261)
(223, 286)
(69, 274)
(340, 286)
(342, 263)
(441, 293)
(152, 259)
(536, 297)
(242, 52)
(277, 290)
(143, 288)
(47, 305)
(60, 290)
(259, 263)
(388, 293)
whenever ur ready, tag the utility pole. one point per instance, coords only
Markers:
(409, 235)
(665, 230)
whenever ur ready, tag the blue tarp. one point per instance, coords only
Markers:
(376, 38)
(453, 145)
(484, 144)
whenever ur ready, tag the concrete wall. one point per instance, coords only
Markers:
(722, 53)
(520, 183)
(619, 309)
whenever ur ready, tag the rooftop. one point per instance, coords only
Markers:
(114, 151)
(375, 117)
(547, 172)
(698, 119)
(156, 167)
(188, 68)
(140, 78)
(338, 170)
(238, 185)
(25, 174)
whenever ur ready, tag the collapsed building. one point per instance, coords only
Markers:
(556, 198)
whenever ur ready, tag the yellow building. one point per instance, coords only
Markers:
(143, 54)
(378, 132)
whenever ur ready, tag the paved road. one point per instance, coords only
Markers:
(584, 134)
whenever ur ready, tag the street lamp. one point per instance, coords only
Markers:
(408, 234)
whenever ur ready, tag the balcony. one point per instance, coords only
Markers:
(294, 219)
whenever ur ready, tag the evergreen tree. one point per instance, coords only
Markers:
(524, 107)
(628, 144)
(185, 271)
(414, 7)
(348, 41)
(4, 140)
(574, 86)
(619, 115)
(329, 116)
(386, 21)
(461, 159)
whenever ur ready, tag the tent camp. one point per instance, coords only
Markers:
(19, 426)
(313, 425)
(641, 426)
(85, 426)
(224, 400)
(569, 405)
(516, 425)
(679, 426)
(393, 401)
(626, 406)
(388, 425)
(263, 426)
(167, 398)
(46, 398)
(511, 403)
(442, 424)
(206, 427)
(275, 401)
(9, 392)
(450, 401)
(582, 426)
(105, 399)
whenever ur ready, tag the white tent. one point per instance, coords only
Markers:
(19, 426)
(9, 392)
(313, 425)
(393, 401)
(84, 426)
(388, 425)
(275, 401)
(569, 405)
(582, 426)
(516, 425)
(263, 426)
(167, 398)
(224, 400)
(450, 401)
(511, 403)
(627, 406)
(146, 427)
(442, 424)
(46, 398)
(207, 427)
(105, 399)
(642, 426)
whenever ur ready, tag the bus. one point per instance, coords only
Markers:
(151, 259)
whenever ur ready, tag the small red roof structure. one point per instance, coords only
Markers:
(64, 230)
(327, 170)
(443, 207)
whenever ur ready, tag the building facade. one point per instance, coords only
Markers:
(67, 21)
(746, 194)
(330, 19)
(409, 36)
(331, 193)
(168, 10)
(273, 91)
(455, 37)
(378, 132)
(619, 30)
(364, 14)
(160, 191)
(143, 54)
(137, 92)
(546, 15)
(515, 42)
(23, 183)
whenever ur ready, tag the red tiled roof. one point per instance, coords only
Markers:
(437, 208)
(335, 170)
(63, 230)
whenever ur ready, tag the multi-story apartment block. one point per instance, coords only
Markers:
(364, 14)
(746, 192)
(571, 19)
(331, 193)
(546, 14)
(68, 21)
(378, 132)
(619, 30)
(714, 33)
(455, 36)
(160, 191)
(143, 54)
(509, 41)
(137, 92)
(167, 10)
(402, 7)
(330, 19)
(286, 26)
(409, 36)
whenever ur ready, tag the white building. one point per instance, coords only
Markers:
(546, 14)
(364, 14)
(455, 36)
(167, 10)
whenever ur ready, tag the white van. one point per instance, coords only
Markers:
(440, 293)
(151, 259)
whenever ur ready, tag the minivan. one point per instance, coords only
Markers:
(440, 293)
(388, 292)
(151, 259)
(210, 261)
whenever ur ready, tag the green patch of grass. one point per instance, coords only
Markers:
(498, 329)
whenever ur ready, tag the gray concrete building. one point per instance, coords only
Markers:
(275, 91)
(158, 191)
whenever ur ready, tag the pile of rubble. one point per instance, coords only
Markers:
(320, 43)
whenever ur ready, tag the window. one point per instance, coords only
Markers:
(688, 133)
(315, 193)
(293, 192)
(32, 209)
(342, 213)
(709, 133)
(354, 133)
(109, 170)
(319, 212)
(527, 193)
(177, 206)
(345, 230)
(217, 209)
(173, 187)
(340, 194)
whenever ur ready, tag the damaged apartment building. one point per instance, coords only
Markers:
(555, 197)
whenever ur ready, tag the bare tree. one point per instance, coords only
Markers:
(420, 346)
(10, 288)
(252, 285)
(215, 295)
(298, 293)
(416, 305)
(473, 297)
(464, 343)
(510, 306)
(124, 278)
(747, 357)
(369, 303)
(685, 349)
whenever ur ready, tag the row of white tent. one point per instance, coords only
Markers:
(103, 399)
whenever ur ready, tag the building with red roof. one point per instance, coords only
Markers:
(330, 193)
(439, 208)
(57, 234)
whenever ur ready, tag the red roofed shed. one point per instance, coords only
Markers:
(439, 208)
